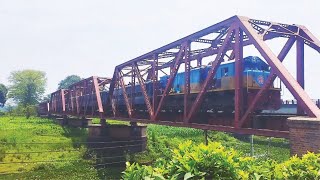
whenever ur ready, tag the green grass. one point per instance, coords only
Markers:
(18, 135)
(170, 137)
(44, 135)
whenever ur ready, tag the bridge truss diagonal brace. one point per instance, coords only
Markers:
(215, 64)
(289, 81)
(111, 98)
(143, 89)
(124, 92)
(173, 72)
(98, 96)
(268, 82)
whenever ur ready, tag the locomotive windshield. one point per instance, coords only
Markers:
(255, 63)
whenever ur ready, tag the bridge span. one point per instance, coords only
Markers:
(202, 81)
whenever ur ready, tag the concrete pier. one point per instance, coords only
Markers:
(115, 141)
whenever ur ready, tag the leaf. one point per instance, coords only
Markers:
(148, 178)
(158, 176)
(257, 176)
(188, 176)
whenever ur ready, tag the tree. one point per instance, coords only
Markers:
(27, 88)
(69, 80)
(3, 94)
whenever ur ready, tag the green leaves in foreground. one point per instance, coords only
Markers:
(194, 161)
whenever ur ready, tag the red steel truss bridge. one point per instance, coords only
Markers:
(138, 80)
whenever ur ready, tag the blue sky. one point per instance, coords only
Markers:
(63, 37)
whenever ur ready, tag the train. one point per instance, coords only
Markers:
(220, 96)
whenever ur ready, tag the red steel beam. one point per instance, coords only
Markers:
(133, 87)
(70, 100)
(268, 82)
(144, 90)
(214, 28)
(238, 53)
(211, 73)
(77, 101)
(187, 82)
(124, 92)
(98, 96)
(63, 100)
(58, 103)
(84, 102)
(306, 34)
(259, 132)
(300, 71)
(52, 103)
(111, 93)
(293, 86)
(173, 72)
(154, 84)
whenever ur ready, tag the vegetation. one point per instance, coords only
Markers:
(198, 161)
(27, 88)
(69, 80)
(61, 153)
(19, 135)
(172, 153)
(3, 94)
(161, 139)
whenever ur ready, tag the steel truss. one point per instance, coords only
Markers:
(82, 99)
(221, 42)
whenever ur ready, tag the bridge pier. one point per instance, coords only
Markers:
(111, 143)
(304, 135)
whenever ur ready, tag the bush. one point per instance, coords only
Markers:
(193, 161)
(190, 161)
(307, 167)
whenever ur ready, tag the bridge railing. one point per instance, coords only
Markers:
(294, 102)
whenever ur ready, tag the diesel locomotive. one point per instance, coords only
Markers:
(220, 96)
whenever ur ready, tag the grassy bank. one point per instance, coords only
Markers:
(39, 149)
(49, 151)
(163, 138)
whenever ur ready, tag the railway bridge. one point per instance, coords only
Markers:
(187, 83)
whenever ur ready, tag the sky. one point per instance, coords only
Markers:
(91, 37)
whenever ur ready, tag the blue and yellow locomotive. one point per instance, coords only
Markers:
(220, 96)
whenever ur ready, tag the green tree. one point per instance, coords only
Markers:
(69, 80)
(27, 88)
(3, 94)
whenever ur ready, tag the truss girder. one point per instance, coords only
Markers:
(230, 35)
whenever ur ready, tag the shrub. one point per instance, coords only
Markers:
(193, 161)
(190, 161)
(307, 167)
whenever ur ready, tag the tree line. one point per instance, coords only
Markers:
(27, 87)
